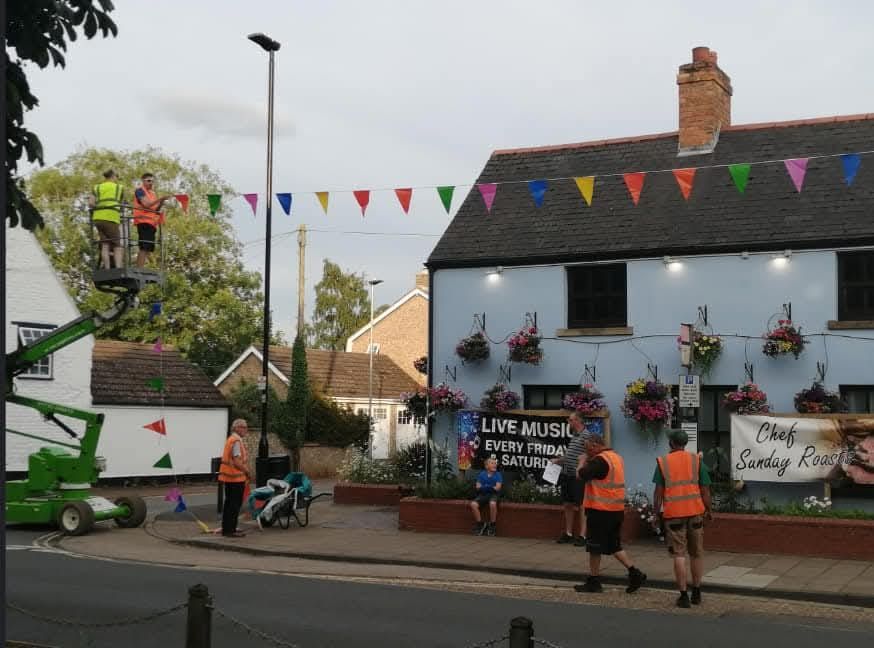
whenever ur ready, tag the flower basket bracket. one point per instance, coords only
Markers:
(505, 373)
(748, 371)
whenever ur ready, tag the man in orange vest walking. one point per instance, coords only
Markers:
(604, 502)
(147, 217)
(682, 494)
(234, 474)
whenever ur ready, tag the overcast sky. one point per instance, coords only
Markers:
(378, 94)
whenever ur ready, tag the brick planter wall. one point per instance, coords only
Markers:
(371, 494)
(821, 537)
(514, 520)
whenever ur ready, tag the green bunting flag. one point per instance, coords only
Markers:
(740, 173)
(214, 202)
(446, 196)
(156, 383)
(164, 462)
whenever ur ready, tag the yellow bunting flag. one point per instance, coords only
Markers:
(323, 199)
(586, 186)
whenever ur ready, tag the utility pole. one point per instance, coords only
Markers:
(301, 256)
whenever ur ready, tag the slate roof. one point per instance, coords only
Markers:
(342, 374)
(772, 215)
(119, 372)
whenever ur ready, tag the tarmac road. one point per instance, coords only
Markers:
(310, 612)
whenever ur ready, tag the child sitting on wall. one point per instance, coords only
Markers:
(488, 490)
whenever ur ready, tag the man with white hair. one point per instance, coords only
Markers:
(234, 474)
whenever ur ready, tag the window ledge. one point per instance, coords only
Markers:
(840, 325)
(595, 331)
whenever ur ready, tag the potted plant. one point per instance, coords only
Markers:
(524, 346)
(783, 339)
(649, 403)
(446, 399)
(706, 350)
(421, 364)
(747, 399)
(587, 401)
(818, 400)
(473, 348)
(416, 402)
(499, 399)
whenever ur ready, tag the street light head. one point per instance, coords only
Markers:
(266, 43)
(374, 282)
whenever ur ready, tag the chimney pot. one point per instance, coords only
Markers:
(700, 54)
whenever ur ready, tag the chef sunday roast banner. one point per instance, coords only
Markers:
(790, 449)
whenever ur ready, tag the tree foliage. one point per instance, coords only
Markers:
(332, 424)
(298, 394)
(211, 305)
(245, 401)
(38, 31)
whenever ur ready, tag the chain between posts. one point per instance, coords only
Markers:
(487, 644)
(105, 624)
(544, 642)
(255, 632)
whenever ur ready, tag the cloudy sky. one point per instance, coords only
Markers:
(378, 94)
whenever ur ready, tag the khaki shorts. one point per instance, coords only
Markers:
(109, 232)
(685, 535)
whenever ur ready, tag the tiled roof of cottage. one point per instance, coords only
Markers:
(120, 371)
(771, 215)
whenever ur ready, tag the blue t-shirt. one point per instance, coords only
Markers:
(487, 484)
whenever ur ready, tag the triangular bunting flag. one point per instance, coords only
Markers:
(851, 163)
(586, 185)
(164, 462)
(183, 200)
(634, 182)
(363, 198)
(180, 505)
(156, 383)
(487, 191)
(173, 495)
(323, 200)
(158, 348)
(215, 200)
(285, 202)
(684, 178)
(252, 199)
(154, 310)
(404, 197)
(797, 169)
(740, 173)
(158, 426)
(538, 190)
(445, 194)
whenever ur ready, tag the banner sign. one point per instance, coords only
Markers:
(800, 449)
(520, 442)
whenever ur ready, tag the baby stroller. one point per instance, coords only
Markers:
(283, 498)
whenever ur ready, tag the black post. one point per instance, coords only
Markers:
(521, 633)
(198, 631)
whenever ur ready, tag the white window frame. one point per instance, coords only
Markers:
(405, 416)
(25, 337)
(380, 413)
(373, 348)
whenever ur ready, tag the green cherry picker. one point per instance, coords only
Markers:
(59, 476)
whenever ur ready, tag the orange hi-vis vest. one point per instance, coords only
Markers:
(607, 494)
(681, 471)
(144, 216)
(227, 471)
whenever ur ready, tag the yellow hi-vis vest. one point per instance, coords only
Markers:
(108, 201)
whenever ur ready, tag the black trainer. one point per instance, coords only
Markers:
(683, 600)
(636, 579)
(580, 542)
(478, 528)
(696, 595)
(490, 530)
(592, 584)
(566, 538)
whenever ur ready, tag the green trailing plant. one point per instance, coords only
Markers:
(411, 461)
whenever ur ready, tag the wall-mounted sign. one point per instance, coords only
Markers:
(690, 391)
(685, 345)
(691, 430)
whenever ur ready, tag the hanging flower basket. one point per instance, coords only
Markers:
(748, 399)
(499, 399)
(818, 400)
(421, 364)
(416, 402)
(783, 340)
(446, 399)
(525, 346)
(706, 350)
(473, 348)
(650, 404)
(587, 401)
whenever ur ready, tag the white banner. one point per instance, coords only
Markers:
(789, 449)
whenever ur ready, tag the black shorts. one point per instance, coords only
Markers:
(146, 237)
(604, 531)
(571, 490)
(484, 498)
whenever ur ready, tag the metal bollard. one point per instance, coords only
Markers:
(198, 631)
(521, 632)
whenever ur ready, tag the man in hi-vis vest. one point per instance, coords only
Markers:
(147, 217)
(682, 495)
(105, 203)
(234, 474)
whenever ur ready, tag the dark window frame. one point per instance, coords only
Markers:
(843, 389)
(590, 305)
(528, 389)
(845, 284)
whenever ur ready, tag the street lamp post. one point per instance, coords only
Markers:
(270, 46)
(372, 282)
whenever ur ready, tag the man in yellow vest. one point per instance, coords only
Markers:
(682, 495)
(604, 503)
(147, 217)
(234, 474)
(105, 203)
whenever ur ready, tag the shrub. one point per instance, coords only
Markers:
(331, 424)
(527, 491)
(411, 461)
(452, 488)
(358, 469)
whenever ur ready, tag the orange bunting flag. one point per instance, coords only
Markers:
(323, 200)
(363, 198)
(158, 426)
(183, 201)
(684, 178)
(586, 186)
(634, 182)
(404, 197)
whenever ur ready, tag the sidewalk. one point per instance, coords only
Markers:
(366, 534)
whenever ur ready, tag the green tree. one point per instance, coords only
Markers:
(211, 305)
(298, 399)
(38, 30)
(245, 401)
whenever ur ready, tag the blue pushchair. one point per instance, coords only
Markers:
(284, 498)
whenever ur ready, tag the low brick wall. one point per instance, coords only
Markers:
(514, 520)
(821, 537)
(371, 494)
(321, 461)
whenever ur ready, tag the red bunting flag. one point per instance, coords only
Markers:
(158, 426)
(404, 197)
(684, 178)
(183, 200)
(634, 182)
(363, 198)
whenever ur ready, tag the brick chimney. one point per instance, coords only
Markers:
(422, 280)
(705, 102)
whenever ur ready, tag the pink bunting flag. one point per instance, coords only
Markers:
(252, 199)
(158, 348)
(797, 169)
(488, 190)
(363, 198)
(173, 495)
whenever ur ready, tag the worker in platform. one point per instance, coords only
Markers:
(105, 203)
(147, 217)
